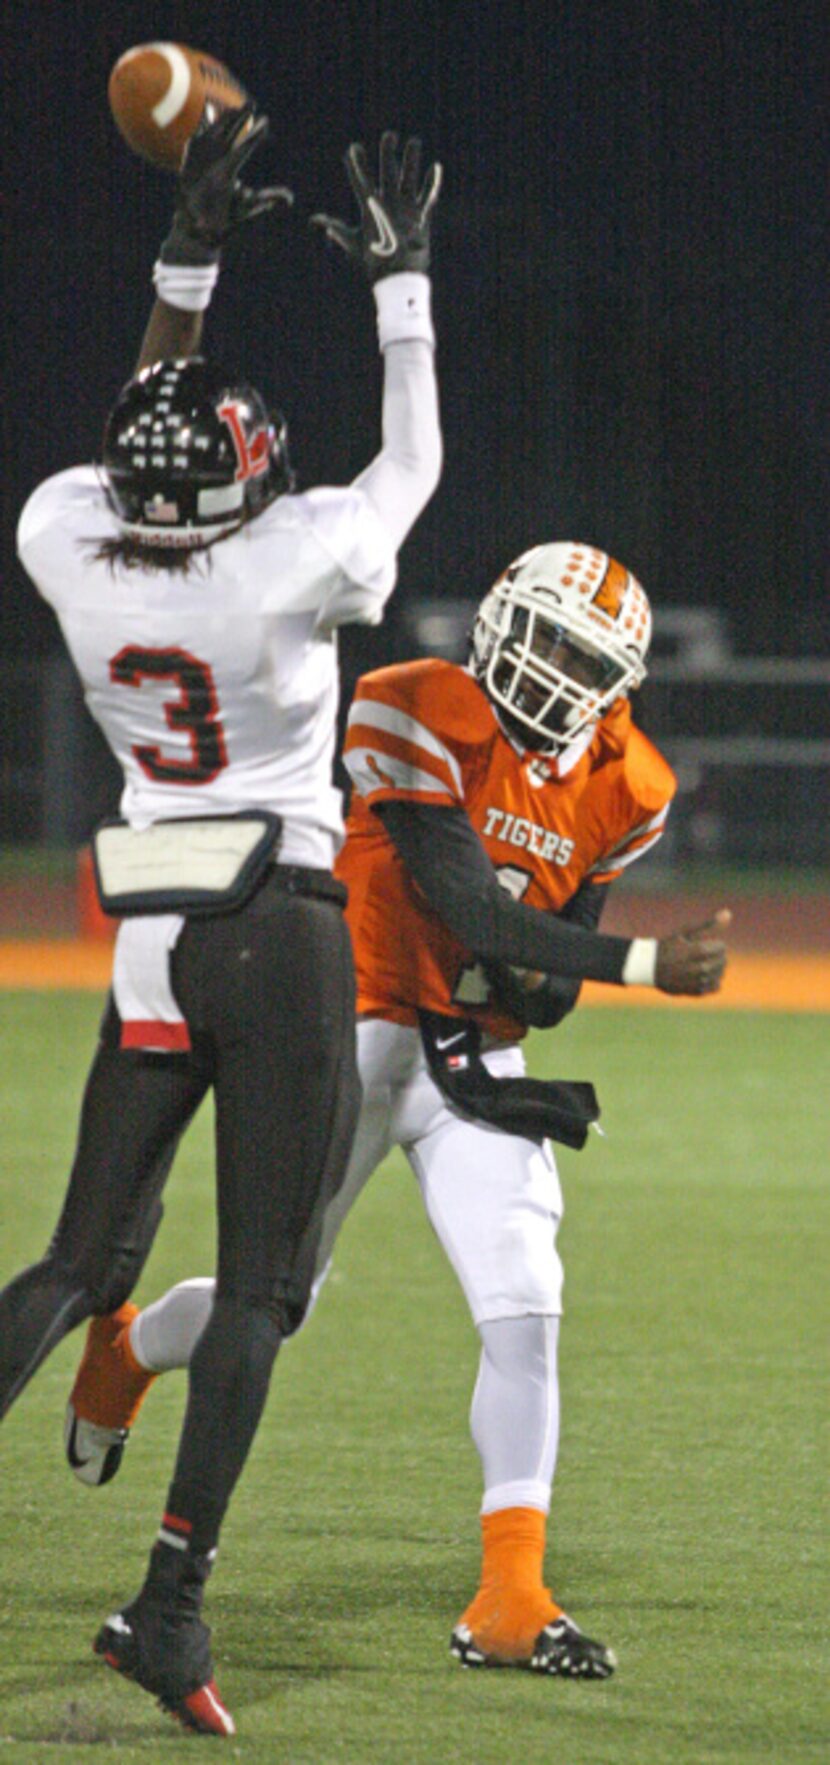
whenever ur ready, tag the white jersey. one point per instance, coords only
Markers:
(217, 690)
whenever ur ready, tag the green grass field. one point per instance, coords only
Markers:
(688, 1528)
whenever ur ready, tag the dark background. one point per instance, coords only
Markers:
(628, 270)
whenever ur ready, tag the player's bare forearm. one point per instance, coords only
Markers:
(172, 334)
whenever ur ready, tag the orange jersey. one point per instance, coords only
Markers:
(425, 732)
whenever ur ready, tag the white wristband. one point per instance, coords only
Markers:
(188, 286)
(403, 306)
(640, 966)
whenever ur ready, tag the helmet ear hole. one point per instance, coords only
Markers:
(562, 634)
(189, 455)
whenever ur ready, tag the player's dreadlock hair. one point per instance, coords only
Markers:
(132, 554)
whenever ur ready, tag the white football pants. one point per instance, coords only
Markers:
(494, 1202)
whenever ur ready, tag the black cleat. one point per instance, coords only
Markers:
(561, 1649)
(170, 1658)
(564, 1649)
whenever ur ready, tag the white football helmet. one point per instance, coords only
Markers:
(563, 633)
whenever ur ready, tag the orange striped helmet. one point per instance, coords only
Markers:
(563, 633)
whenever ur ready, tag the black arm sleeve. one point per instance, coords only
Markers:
(545, 1006)
(445, 856)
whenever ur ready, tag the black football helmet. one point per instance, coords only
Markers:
(190, 455)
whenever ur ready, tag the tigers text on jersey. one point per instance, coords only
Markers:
(216, 690)
(424, 732)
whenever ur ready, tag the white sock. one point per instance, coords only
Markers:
(514, 1417)
(166, 1333)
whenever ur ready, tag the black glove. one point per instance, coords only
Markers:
(395, 215)
(210, 200)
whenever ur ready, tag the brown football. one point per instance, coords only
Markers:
(158, 93)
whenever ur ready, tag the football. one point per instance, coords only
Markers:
(158, 93)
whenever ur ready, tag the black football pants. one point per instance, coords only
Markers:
(268, 994)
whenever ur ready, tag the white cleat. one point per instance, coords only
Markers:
(94, 1453)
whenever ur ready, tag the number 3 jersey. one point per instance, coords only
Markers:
(216, 689)
(424, 732)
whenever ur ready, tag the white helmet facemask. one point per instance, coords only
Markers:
(562, 634)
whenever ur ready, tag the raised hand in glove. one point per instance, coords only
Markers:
(395, 214)
(211, 201)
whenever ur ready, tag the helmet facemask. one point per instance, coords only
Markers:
(562, 635)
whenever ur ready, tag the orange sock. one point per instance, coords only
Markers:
(512, 1604)
(110, 1385)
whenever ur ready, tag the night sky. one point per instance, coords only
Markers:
(629, 275)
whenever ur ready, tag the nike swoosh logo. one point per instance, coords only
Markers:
(71, 1454)
(447, 1041)
(386, 243)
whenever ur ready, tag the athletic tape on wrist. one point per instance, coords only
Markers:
(640, 966)
(188, 286)
(404, 308)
